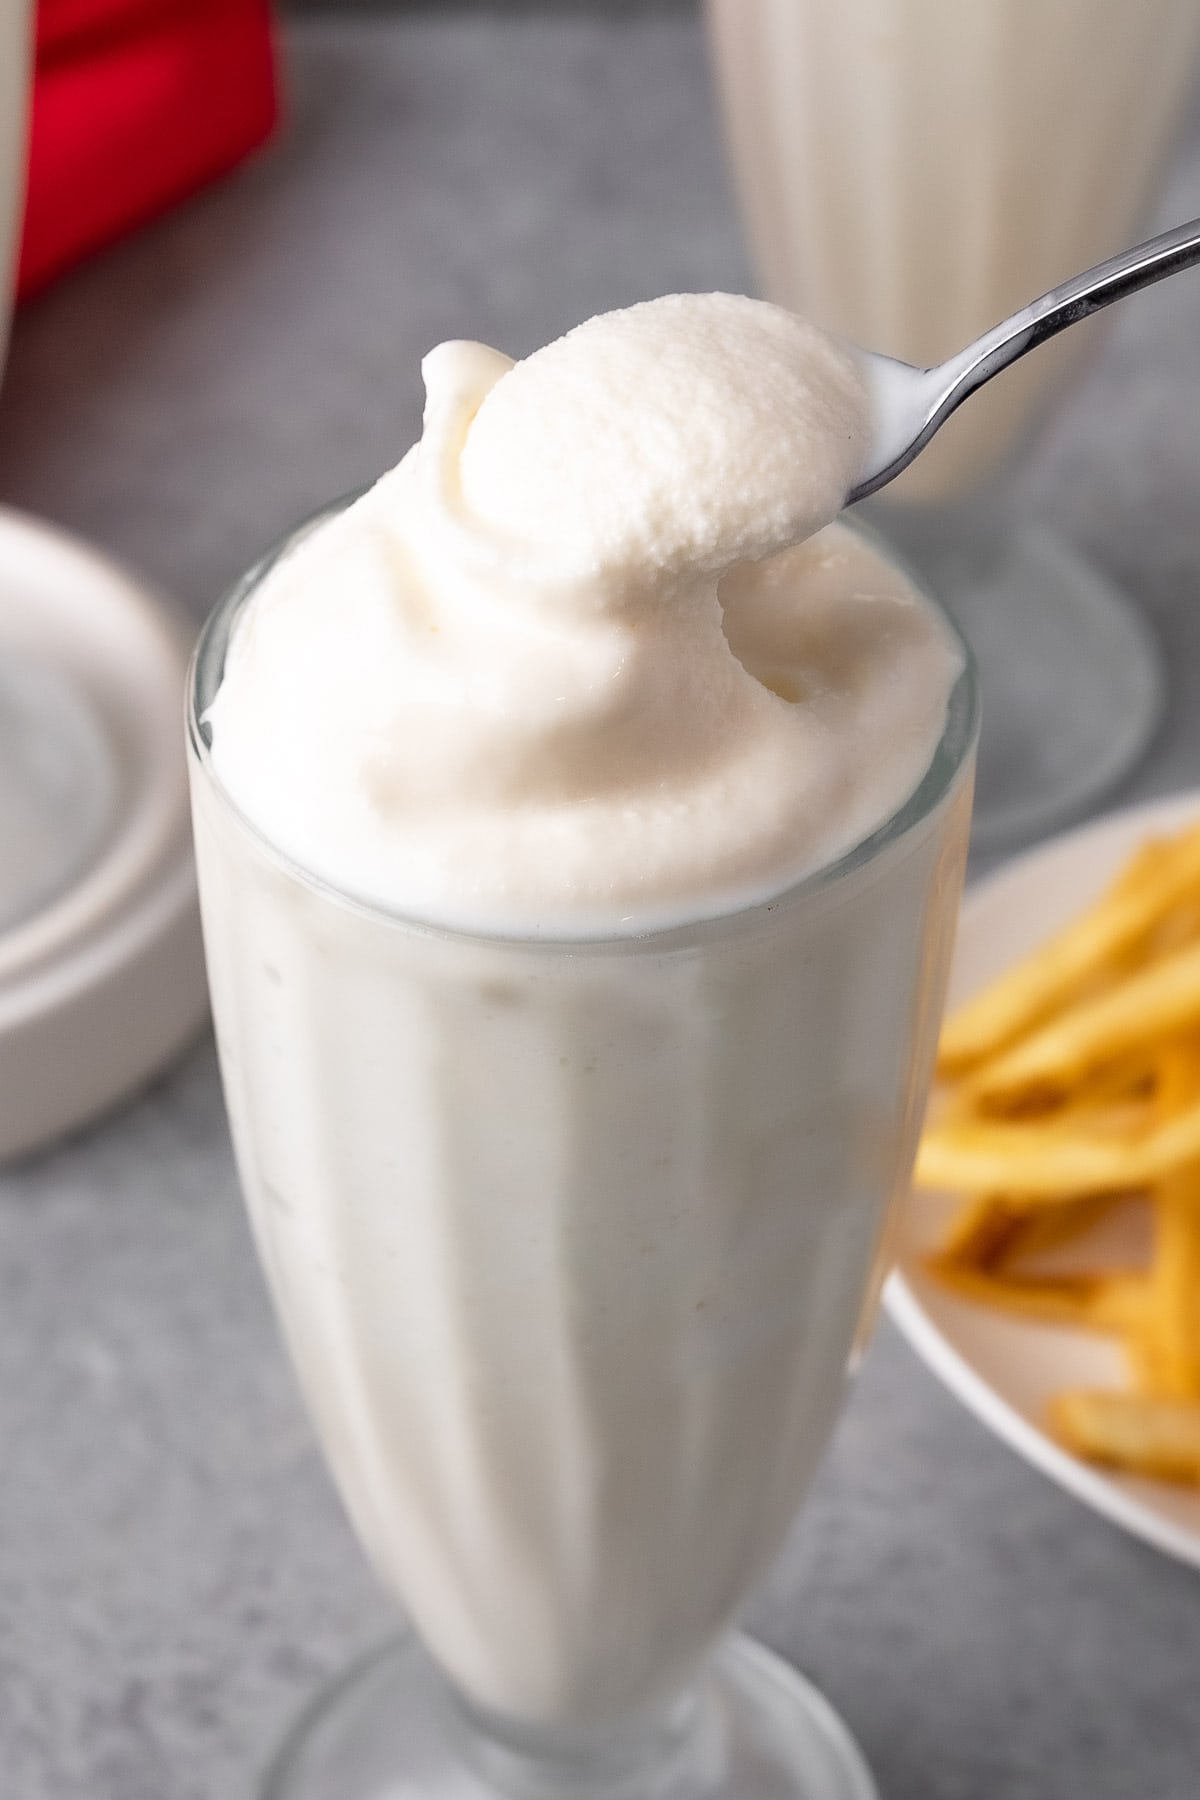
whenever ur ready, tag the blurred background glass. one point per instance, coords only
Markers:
(911, 171)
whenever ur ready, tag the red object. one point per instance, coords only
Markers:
(136, 103)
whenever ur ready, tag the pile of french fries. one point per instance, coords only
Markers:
(1071, 1088)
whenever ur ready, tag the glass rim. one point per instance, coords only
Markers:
(951, 758)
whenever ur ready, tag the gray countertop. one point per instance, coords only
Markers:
(174, 1572)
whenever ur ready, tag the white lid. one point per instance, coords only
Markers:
(101, 970)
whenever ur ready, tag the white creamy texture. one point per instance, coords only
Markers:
(560, 668)
(571, 1245)
(913, 171)
(571, 1242)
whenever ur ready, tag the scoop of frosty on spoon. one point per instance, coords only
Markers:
(907, 404)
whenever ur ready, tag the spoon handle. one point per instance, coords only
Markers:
(1066, 305)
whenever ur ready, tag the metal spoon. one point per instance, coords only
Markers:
(909, 404)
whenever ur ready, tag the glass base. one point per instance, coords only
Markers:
(1070, 672)
(389, 1730)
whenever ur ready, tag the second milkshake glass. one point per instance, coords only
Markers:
(572, 1244)
(910, 172)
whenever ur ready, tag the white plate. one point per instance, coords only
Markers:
(1005, 1369)
(101, 968)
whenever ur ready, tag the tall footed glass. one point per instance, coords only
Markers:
(572, 1244)
(910, 172)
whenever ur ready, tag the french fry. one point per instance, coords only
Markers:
(1160, 1001)
(1161, 876)
(1114, 1096)
(978, 1233)
(1175, 1317)
(1078, 1089)
(988, 1232)
(1051, 1227)
(1107, 1092)
(1138, 1432)
(1180, 926)
(1171, 1330)
(1040, 1162)
(1110, 1302)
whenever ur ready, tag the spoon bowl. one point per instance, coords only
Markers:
(908, 405)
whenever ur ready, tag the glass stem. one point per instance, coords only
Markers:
(654, 1754)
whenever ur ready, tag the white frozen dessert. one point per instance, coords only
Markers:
(571, 1237)
(913, 171)
(541, 676)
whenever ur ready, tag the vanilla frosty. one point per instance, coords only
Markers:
(579, 839)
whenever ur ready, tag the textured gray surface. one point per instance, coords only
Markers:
(174, 1574)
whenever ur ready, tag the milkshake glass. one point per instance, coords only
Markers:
(910, 172)
(573, 1242)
